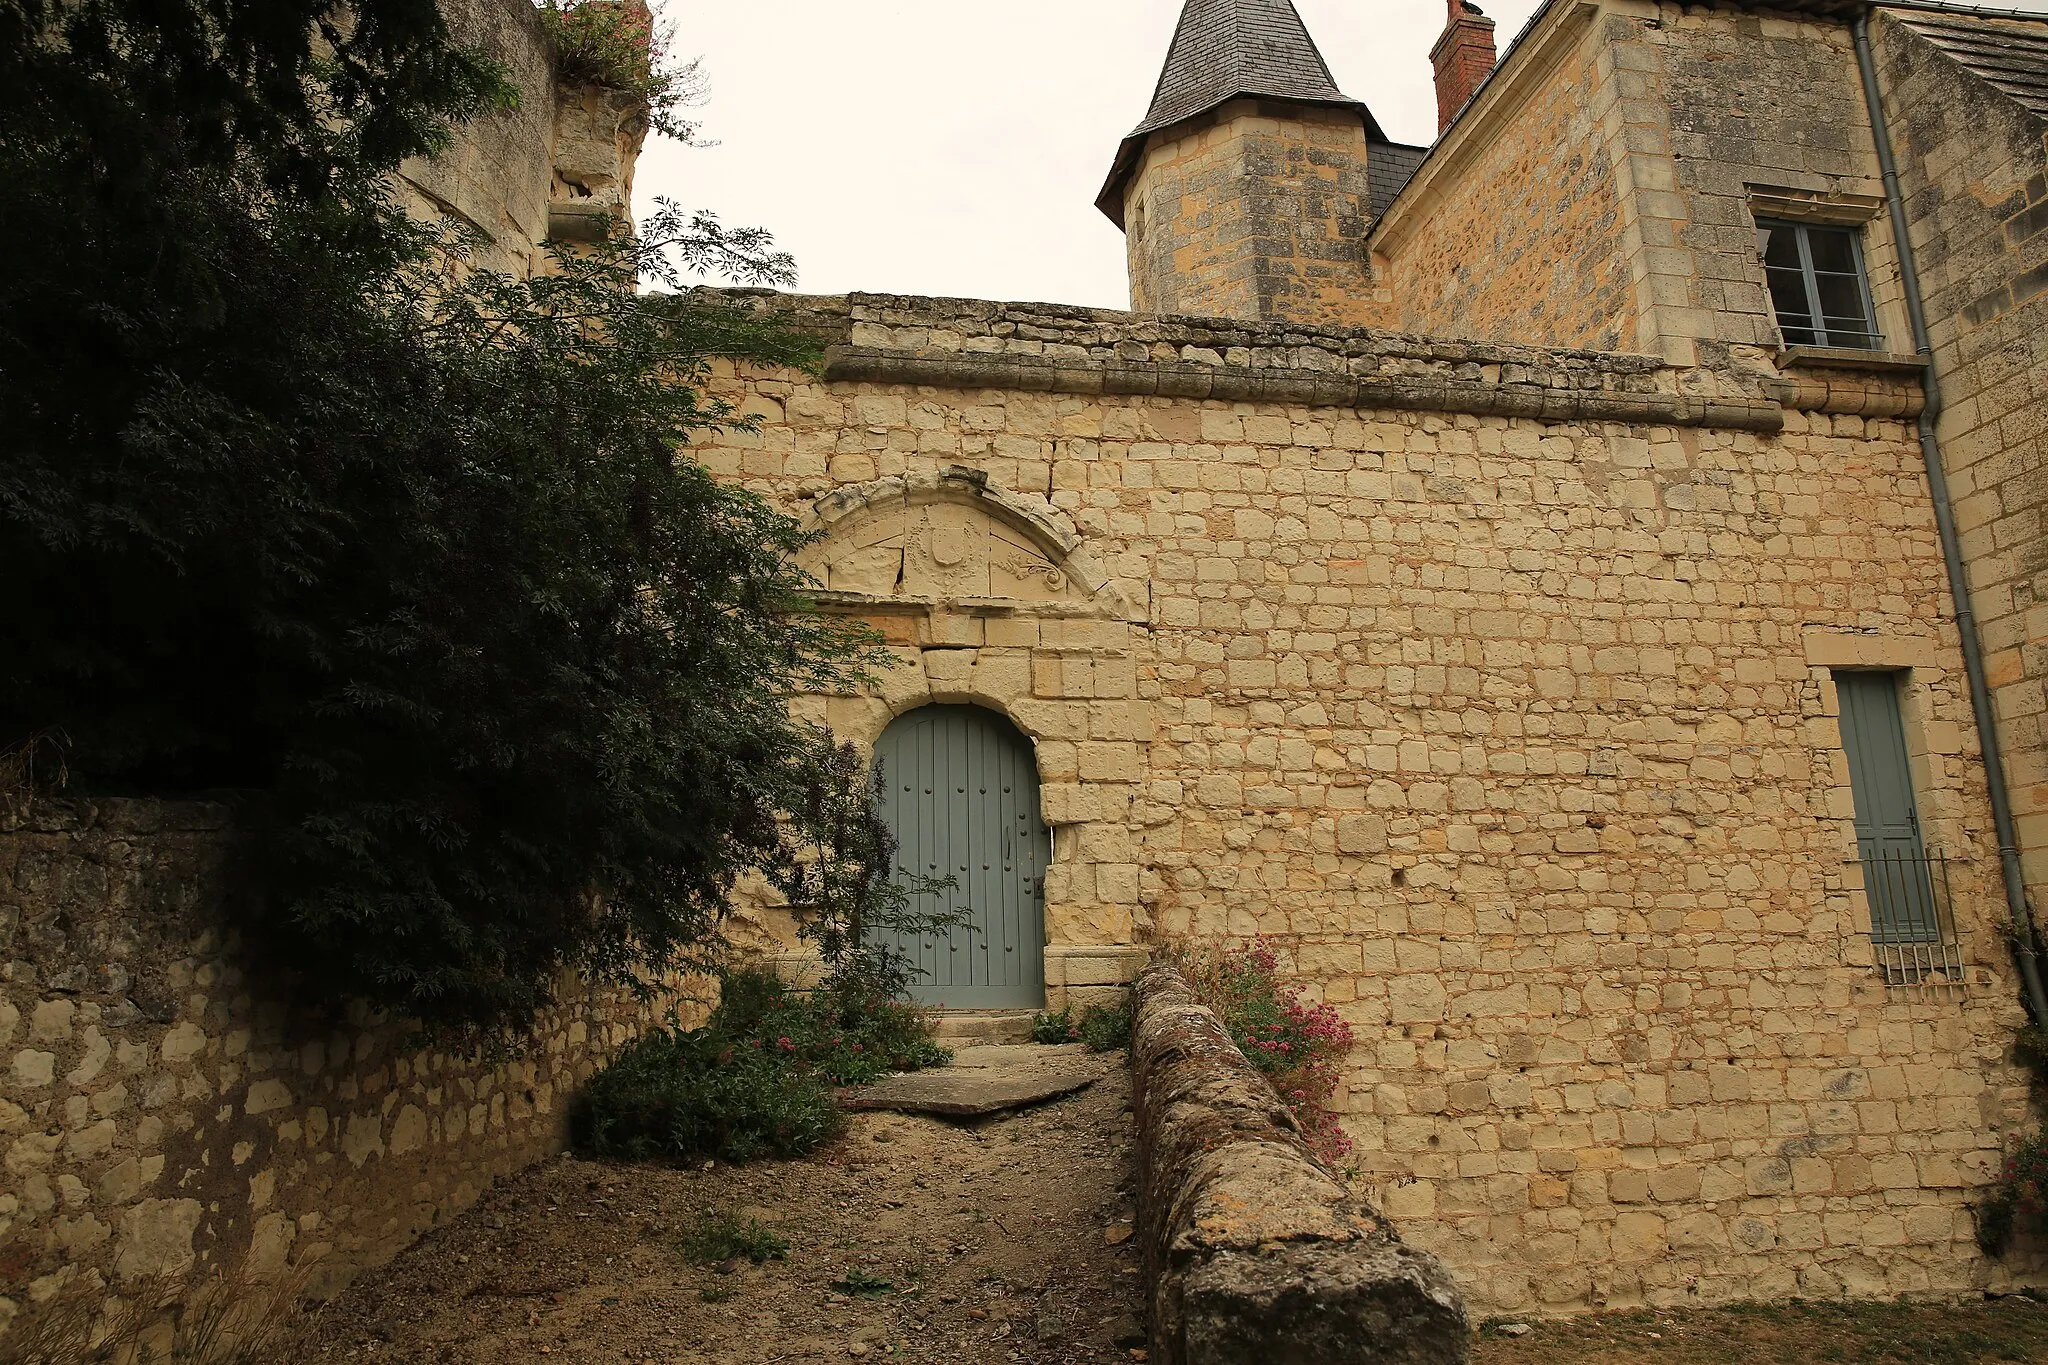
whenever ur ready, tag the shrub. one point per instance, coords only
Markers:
(845, 1034)
(676, 1096)
(756, 1081)
(2019, 1201)
(718, 1237)
(1296, 1045)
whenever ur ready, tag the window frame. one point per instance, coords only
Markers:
(1869, 338)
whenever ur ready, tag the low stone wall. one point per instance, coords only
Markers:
(163, 1114)
(1254, 1252)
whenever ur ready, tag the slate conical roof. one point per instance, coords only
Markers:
(1221, 50)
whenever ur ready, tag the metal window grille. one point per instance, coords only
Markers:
(1818, 285)
(1912, 931)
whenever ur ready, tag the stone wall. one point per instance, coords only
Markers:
(1254, 1251)
(1513, 229)
(165, 1113)
(551, 166)
(1974, 163)
(493, 180)
(1496, 686)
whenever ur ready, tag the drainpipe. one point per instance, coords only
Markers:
(2026, 934)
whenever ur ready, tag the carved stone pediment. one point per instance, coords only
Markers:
(944, 537)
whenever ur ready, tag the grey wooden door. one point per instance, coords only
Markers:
(960, 792)
(1897, 877)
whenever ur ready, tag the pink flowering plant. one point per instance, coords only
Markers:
(1297, 1045)
(619, 45)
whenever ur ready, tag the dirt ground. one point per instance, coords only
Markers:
(913, 1239)
(1784, 1334)
(1006, 1241)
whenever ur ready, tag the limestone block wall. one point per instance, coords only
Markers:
(1766, 118)
(164, 1112)
(1514, 229)
(1495, 686)
(1604, 191)
(552, 165)
(1257, 211)
(493, 179)
(1975, 169)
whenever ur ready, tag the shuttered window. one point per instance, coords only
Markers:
(1898, 877)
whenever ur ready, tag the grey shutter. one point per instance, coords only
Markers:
(1896, 873)
(961, 794)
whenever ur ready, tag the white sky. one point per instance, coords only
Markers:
(956, 147)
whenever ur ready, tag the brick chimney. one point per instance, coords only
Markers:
(1463, 58)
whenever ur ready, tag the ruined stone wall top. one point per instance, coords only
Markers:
(970, 343)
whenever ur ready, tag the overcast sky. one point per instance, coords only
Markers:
(957, 146)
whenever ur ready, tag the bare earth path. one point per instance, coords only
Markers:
(1004, 1241)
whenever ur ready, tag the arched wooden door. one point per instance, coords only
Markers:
(960, 792)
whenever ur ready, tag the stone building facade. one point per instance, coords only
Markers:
(1493, 667)
(1448, 573)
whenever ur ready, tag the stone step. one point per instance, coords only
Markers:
(968, 1028)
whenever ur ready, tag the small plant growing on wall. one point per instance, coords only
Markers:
(2018, 1202)
(1295, 1044)
(619, 45)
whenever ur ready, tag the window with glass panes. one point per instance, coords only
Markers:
(1817, 285)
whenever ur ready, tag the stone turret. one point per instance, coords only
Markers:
(1247, 190)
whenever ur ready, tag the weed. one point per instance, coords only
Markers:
(1053, 1027)
(721, 1237)
(716, 1293)
(861, 1285)
(1107, 1028)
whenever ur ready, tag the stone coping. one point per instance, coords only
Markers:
(1054, 348)
(1254, 1251)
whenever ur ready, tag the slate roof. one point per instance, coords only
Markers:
(1221, 50)
(1389, 167)
(2011, 55)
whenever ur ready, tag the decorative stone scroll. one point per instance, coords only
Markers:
(950, 536)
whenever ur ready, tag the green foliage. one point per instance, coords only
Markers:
(718, 1237)
(861, 1285)
(1053, 1027)
(756, 1081)
(671, 1096)
(619, 44)
(1107, 1028)
(1103, 1028)
(412, 564)
(845, 1033)
(2030, 1050)
(2018, 1202)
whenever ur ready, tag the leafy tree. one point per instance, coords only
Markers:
(413, 563)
